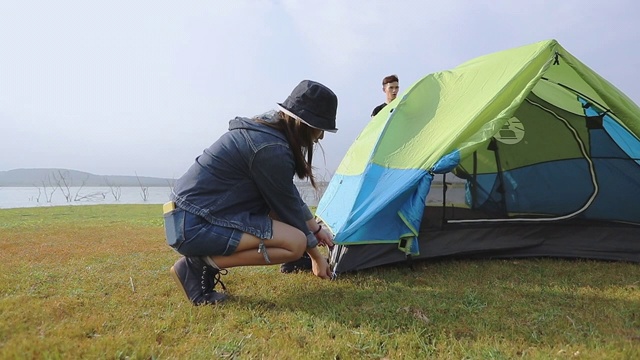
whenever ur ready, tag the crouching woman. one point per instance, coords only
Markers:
(237, 205)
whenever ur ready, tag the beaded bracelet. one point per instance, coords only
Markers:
(317, 231)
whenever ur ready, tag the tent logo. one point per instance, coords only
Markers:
(511, 132)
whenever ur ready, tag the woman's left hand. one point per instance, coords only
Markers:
(325, 237)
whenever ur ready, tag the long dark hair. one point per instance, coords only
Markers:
(301, 140)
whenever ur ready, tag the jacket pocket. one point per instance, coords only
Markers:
(174, 227)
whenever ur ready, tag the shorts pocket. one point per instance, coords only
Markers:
(174, 227)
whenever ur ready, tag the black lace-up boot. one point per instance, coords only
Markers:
(198, 280)
(302, 264)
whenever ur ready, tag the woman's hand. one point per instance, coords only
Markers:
(319, 264)
(321, 268)
(322, 233)
(325, 237)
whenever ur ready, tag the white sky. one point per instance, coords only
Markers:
(124, 87)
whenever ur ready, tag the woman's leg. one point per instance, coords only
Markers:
(287, 244)
(198, 279)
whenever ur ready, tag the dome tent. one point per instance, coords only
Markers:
(548, 149)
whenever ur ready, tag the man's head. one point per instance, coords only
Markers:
(390, 86)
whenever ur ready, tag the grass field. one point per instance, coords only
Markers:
(93, 282)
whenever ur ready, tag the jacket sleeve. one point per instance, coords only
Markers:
(273, 169)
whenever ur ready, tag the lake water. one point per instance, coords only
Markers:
(20, 197)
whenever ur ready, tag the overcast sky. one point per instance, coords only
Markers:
(142, 87)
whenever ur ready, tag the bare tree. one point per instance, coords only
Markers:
(64, 183)
(91, 197)
(171, 183)
(77, 197)
(144, 189)
(39, 193)
(98, 195)
(47, 196)
(321, 187)
(321, 184)
(116, 191)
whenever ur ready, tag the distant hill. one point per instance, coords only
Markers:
(51, 177)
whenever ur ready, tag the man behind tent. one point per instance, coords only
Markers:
(390, 86)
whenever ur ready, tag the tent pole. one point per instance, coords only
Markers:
(474, 187)
(444, 200)
(493, 146)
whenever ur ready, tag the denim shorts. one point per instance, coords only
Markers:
(195, 236)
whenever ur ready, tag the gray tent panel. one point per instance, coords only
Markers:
(440, 238)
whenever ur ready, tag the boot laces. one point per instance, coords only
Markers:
(217, 273)
(218, 280)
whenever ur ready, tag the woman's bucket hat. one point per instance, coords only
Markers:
(314, 104)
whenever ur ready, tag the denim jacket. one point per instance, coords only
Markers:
(244, 175)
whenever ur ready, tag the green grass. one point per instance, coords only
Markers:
(93, 282)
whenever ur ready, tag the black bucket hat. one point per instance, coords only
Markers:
(314, 104)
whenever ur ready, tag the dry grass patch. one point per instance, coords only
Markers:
(92, 282)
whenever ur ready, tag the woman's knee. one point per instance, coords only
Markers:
(296, 244)
(301, 247)
(290, 238)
